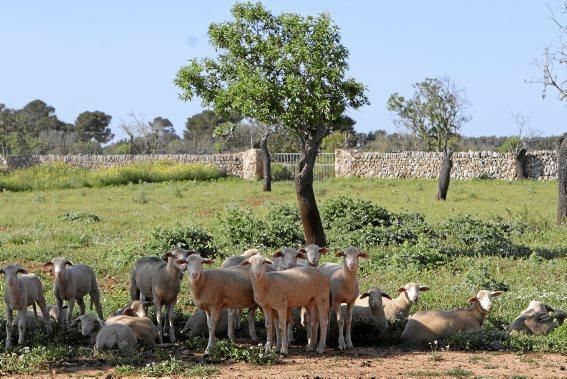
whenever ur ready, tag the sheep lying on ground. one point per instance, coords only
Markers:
(344, 289)
(72, 284)
(279, 291)
(134, 316)
(105, 336)
(154, 279)
(538, 319)
(399, 308)
(369, 308)
(428, 326)
(19, 293)
(216, 289)
(197, 324)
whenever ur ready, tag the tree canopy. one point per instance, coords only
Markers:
(94, 126)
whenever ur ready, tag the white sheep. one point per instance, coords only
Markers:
(19, 293)
(278, 291)
(72, 284)
(538, 319)
(286, 258)
(313, 255)
(368, 308)
(215, 289)
(111, 336)
(344, 289)
(399, 308)
(159, 280)
(134, 317)
(427, 326)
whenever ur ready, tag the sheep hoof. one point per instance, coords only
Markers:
(267, 348)
(348, 345)
(321, 350)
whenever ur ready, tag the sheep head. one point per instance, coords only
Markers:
(351, 257)
(412, 290)
(89, 324)
(288, 256)
(257, 268)
(58, 265)
(194, 264)
(314, 253)
(11, 273)
(483, 299)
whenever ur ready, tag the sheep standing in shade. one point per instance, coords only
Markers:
(399, 308)
(427, 326)
(19, 293)
(278, 291)
(344, 289)
(159, 281)
(72, 283)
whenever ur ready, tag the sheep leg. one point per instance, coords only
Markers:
(268, 318)
(43, 307)
(95, 299)
(9, 321)
(82, 307)
(275, 323)
(238, 314)
(60, 311)
(170, 310)
(252, 323)
(157, 308)
(231, 323)
(212, 319)
(21, 324)
(340, 323)
(323, 322)
(290, 326)
(282, 315)
(71, 305)
(311, 329)
(348, 323)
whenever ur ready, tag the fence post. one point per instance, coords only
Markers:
(252, 164)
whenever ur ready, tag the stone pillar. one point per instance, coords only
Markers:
(252, 164)
(343, 163)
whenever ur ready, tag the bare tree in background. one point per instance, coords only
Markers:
(517, 145)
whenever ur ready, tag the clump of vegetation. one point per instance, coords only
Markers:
(27, 361)
(228, 351)
(187, 237)
(84, 217)
(170, 367)
(480, 277)
(61, 175)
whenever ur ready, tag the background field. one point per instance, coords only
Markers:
(36, 226)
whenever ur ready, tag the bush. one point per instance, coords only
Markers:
(479, 277)
(239, 228)
(424, 253)
(352, 214)
(227, 351)
(283, 227)
(187, 237)
(80, 216)
(281, 173)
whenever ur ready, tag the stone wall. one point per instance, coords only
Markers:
(235, 164)
(541, 165)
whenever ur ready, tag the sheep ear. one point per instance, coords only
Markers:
(76, 322)
(366, 294)
(401, 289)
(167, 255)
(208, 261)
(423, 288)
(340, 254)
(323, 250)
(473, 300)
(300, 254)
(68, 263)
(363, 254)
(129, 312)
(384, 294)
(245, 262)
(191, 252)
(268, 262)
(277, 254)
(47, 266)
(496, 293)
(549, 309)
(22, 270)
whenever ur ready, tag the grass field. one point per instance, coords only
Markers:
(36, 226)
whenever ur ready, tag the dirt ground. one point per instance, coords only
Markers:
(376, 362)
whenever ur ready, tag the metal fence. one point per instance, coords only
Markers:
(284, 166)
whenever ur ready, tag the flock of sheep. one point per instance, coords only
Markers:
(291, 283)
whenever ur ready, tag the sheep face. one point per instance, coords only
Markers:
(89, 324)
(412, 291)
(375, 296)
(537, 307)
(314, 253)
(351, 257)
(11, 273)
(257, 267)
(288, 257)
(58, 265)
(484, 299)
(194, 264)
(179, 257)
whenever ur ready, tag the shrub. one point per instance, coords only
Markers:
(239, 228)
(283, 227)
(84, 217)
(170, 367)
(424, 253)
(353, 214)
(187, 237)
(479, 277)
(227, 351)
(281, 173)
(484, 339)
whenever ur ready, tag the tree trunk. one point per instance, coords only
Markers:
(267, 165)
(310, 217)
(520, 163)
(445, 175)
(562, 179)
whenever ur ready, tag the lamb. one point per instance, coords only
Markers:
(399, 308)
(369, 308)
(344, 289)
(216, 289)
(427, 326)
(538, 319)
(19, 293)
(134, 316)
(313, 253)
(287, 258)
(72, 284)
(279, 291)
(197, 324)
(154, 279)
(105, 336)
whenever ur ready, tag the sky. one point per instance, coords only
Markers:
(121, 57)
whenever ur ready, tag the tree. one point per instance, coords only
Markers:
(286, 70)
(562, 179)
(162, 133)
(517, 145)
(435, 114)
(94, 126)
(202, 128)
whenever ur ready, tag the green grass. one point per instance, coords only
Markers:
(62, 176)
(36, 226)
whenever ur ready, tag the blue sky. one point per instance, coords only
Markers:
(121, 56)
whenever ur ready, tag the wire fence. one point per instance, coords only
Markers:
(284, 166)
